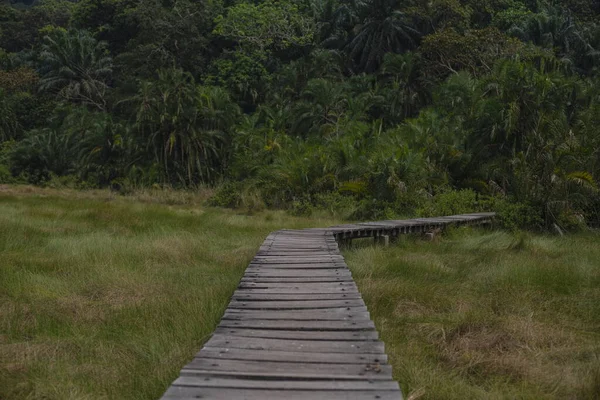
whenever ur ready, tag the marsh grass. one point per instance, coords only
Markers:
(106, 297)
(487, 315)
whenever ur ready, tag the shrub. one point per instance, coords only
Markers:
(373, 209)
(336, 204)
(513, 215)
(5, 175)
(301, 208)
(228, 195)
(450, 203)
(250, 199)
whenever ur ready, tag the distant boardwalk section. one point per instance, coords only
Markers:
(297, 327)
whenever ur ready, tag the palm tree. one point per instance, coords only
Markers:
(8, 118)
(184, 125)
(553, 28)
(381, 29)
(323, 105)
(402, 87)
(76, 67)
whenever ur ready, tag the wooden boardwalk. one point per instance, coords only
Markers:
(297, 327)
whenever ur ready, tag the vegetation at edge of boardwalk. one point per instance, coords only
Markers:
(105, 296)
(487, 314)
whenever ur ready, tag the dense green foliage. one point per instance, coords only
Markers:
(384, 107)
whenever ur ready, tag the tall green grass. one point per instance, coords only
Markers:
(487, 315)
(107, 297)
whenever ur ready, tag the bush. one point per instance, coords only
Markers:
(513, 215)
(301, 208)
(5, 175)
(250, 199)
(373, 209)
(62, 182)
(228, 195)
(336, 204)
(450, 203)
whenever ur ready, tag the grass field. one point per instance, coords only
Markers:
(487, 315)
(104, 297)
(107, 297)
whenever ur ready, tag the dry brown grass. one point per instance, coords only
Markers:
(487, 315)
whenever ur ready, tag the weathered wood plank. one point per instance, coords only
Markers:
(205, 393)
(296, 254)
(299, 357)
(351, 324)
(295, 305)
(293, 285)
(290, 370)
(298, 334)
(264, 266)
(296, 260)
(366, 347)
(297, 272)
(330, 314)
(297, 289)
(240, 296)
(208, 381)
(322, 279)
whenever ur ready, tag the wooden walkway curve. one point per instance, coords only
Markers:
(297, 327)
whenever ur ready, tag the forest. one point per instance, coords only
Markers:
(382, 108)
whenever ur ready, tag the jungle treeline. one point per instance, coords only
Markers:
(383, 108)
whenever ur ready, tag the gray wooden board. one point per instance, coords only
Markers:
(296, 251)
(292, 285)
(279, 253)
(206, 393)
(264, 266)
(297, 272)
(290, 305)
(302, 239)
(267, 272)
(309, 346)
(294, 273)
(332, 279)
(350, 324)
(298, 240)
(282, 370)
(292, 261)
(294, 297)
(208, 381)
(279, 375)
(299, 357)
(290, 278)
(301, 258)
(295, 288)
(330, 314)
(297, 334)
(298, 246)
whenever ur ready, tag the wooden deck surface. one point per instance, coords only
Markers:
(297, 327)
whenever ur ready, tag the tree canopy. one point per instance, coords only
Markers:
(384, 107)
